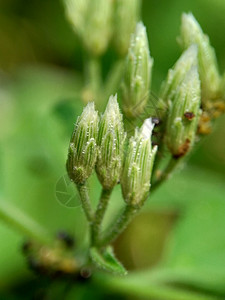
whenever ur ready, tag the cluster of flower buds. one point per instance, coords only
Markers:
(212, 87)
(137, 74)
(109, 18)
(100, 144)
(181, 94)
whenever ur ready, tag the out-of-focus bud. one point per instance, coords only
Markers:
(111, 145)
(82, 153)
(127, 14)
(183, 115)
(138, 165)
(191, 33)
(137, 75)
(92, 21)
(177, 74)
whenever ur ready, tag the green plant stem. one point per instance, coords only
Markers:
(172, 164)
(85, 201)
(119, 225)
(93, 79)
(113, 79)
(22, 223)
(99, 214)
(151, 290)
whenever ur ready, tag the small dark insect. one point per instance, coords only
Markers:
(155, 121)
(189, 115)
(66, 238)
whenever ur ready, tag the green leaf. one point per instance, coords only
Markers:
(107, 261)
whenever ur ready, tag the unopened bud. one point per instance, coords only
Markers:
(191, 33)
(183, 115)
(177, 74)
(138, 165)
(127, 14)
(92, 21)
(83, 145)
(137, 75)
(110, 145)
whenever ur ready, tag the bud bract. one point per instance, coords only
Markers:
(177, 74)
(183, 115)
(82, 153)
(126, 15)
(191, 33)
(137, 74)
(111, 139)
(92, 21)
(138, 165)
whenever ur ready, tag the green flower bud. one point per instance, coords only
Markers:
(111, 139)
(177, 74)
(183, 115)
(191, 33)
(127, 14)
(138, 165)
(92, 21)
(82, 153)
(137, 75)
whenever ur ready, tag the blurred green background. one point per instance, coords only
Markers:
(181, 232)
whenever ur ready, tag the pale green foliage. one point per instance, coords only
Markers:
(137, 74)
(111, 139)
(183, 114)
(83, 145)
(137, 170)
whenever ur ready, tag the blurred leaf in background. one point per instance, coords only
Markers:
(181, 231)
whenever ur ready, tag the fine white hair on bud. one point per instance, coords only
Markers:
(82, 153)
(191, 33)
(137, 74)
(92, 21)
(177, 74)
(111, 140)
(183, 115)
(138, 165)
(127, 13)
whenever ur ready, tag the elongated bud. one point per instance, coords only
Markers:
(183, 115)
(82, 153)
(111, 145)
(127, 14)
(92, 21)
(177, 74)
(137, 75)
(191, 33)
(138, 165)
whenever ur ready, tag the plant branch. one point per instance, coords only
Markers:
(119, 225)
(85, 201)
(99, 214)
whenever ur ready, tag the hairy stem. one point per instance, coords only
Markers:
(172, 164)
(22, 223)
(99, 214)
(93, 80)
(85, 201)
(119, 225)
